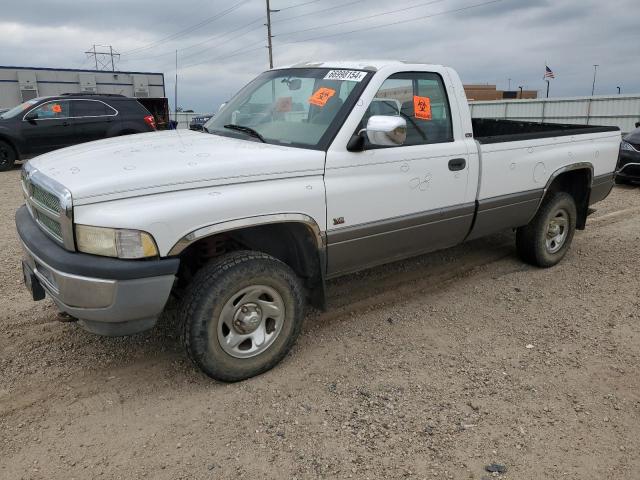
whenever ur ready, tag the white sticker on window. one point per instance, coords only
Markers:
(348, 75)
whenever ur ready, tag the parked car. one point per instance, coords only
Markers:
(48, 123)
(2, 110)
(629, 163)
(197, 123)
(244, 225)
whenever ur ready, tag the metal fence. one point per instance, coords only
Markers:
(184, 118)
(615, 110)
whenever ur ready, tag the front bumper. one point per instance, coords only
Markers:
(109, 296)
(629, 165)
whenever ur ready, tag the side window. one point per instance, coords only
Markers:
(52, 110)
(421, 99)
(90, 108)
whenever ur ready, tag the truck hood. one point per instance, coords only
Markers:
(158, 162)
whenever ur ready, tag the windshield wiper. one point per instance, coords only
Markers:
(247, 130)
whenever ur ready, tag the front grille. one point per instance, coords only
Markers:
(46, 199)
(49, 224)
(49, 204)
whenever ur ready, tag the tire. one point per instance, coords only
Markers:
(8, 156)
(557, 215)
(230, 300)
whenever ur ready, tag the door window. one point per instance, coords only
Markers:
(421, 99)
(52, 110)
(90, 108)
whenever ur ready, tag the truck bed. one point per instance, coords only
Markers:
(489, 130)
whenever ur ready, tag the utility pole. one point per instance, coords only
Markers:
(593, 88)
(520, 87)
(175, 93)
(105, 59)
(269, 36)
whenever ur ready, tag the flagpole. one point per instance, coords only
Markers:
(547, 88)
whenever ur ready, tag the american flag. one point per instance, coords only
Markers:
(548, 73)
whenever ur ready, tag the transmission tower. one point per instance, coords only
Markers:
(104, 59)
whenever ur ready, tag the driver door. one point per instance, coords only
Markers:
(386, 203)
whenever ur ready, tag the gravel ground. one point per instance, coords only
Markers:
(430, 368)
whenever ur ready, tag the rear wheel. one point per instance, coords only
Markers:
(546, 239)
(8, 156)
(242, 314)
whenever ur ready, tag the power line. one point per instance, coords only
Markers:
(390, 12)
(244, 49)
(298, 5)
(469, 7)
(215, 37)
(235, 53)
(190, 29)
(316, 12)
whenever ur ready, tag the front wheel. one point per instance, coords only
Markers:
(242, 313)
(546, 239)
(7, 156)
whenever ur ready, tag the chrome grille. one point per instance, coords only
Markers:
(49, 204)
(50, 225)
(46, 199)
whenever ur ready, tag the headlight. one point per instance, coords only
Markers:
(627, 146)
(113, 242)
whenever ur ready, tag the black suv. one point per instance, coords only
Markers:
(48, 123)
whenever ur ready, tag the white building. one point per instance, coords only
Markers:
(19, 84)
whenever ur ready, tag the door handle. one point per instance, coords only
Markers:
(457, 164)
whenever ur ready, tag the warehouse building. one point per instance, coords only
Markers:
(491, 92)
(19, 84)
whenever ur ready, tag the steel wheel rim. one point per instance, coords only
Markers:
(557, 231)
(250, 321)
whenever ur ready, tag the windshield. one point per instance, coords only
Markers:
(297, 106)
(17, 110)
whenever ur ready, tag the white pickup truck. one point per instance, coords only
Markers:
(309, 172)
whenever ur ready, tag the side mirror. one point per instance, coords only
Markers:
(31, 116)
(386, 130)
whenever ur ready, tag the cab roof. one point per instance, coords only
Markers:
(370, 65)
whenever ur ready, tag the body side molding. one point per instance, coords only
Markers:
(239, 223)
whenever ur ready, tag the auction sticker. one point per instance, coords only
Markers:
(321, 96)
(422, 107)
(348, 75)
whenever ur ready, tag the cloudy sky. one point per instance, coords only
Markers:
(221, 44)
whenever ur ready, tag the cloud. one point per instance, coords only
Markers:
(487, 44)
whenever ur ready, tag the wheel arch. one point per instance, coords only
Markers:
(295, 239)
(575, 179)
(12, 143)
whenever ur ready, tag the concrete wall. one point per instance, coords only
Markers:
(622, 111)
(21, 83)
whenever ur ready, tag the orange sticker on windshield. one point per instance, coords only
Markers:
(56, 108)
(321, 96)
(422, 107)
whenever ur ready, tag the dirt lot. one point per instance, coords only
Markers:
(429, 368)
